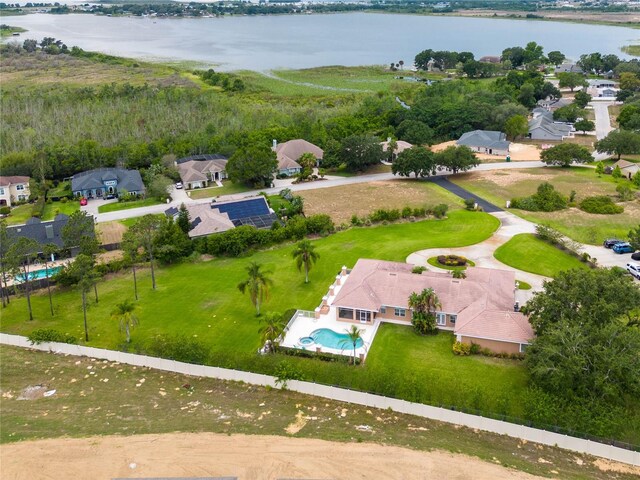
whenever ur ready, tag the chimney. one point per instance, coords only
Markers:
(275, 143)
(344, 271)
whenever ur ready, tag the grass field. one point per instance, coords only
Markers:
(363, 198)
(228, 188)
(20, 214)
(115, 206)
(530, 254)
(54, 208)
(500, 186)
(118, 407)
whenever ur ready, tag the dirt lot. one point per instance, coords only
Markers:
(341, 203)
(519, 152)
(244, 456)
(110, 232)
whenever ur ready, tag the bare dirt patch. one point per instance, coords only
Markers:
(32, 392)
(110, 232)
(244, 456)
(609, 466)
(341, 203)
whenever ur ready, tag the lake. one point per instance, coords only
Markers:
(303, 41)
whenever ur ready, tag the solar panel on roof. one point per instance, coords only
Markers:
(248, 208)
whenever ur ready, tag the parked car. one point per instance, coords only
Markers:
(179, 185)
(634, 269)
(635, 256)
(83, 202)
(622, 248)
(610, 242)
(110, 196)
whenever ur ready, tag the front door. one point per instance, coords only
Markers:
(364, 316)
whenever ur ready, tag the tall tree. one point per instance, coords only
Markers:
(79, 234)
(305, 255)
(253, 165)
(5, 243)
(354, 335)
(257, 285)
(21, 255)
(127, 320)
(424, 306)
(49, 251)
(419, 161)
(457, 159)
(273, 326)
(358, 152)
(141, 236)
(581, 99)
(634, 237)
(556, 57)
(516, 126)
(83, 268)
(131, 250)
(584, 126)
(619, 142)
(571, 80)
(184, 221)
(565, 154)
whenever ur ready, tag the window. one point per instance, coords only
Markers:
(453, 318)
(383, 309)
(20, 187)
(22, 198)
(441, 318)
(346, 313)
(400, 312)
(1, 191)
(523, 347)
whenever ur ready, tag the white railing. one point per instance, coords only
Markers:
(344, 395)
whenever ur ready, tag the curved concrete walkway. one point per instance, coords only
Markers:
(482, 253)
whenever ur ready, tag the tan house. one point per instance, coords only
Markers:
(198, 171)
(288, 154)
(478, 309)
(628, 169)
(401, 146)
(14, 189)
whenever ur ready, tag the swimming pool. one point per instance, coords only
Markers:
(38, 274)
(330, 339)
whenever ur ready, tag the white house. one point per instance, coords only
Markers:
(14, 189)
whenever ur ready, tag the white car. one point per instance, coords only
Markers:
(179, 185)
(634, 269)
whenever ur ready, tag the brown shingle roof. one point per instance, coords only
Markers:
(288, 153)
(196, 170)
(12, 180)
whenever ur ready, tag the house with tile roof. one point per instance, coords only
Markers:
(486, 141)
(198, 171)
(288, 154)
(14, 189)
(478, 309)
(107, 181)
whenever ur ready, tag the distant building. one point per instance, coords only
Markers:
(542, 127)
(568, 68)
(628, 169)
(486, 141)
(42, 232)
(288, 154)
(107, 181)
(401, 146)
(490, 59)
(14, 189)
(218, 217)
(198, 171)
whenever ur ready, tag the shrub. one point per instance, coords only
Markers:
(406, 212)
(419, 269)
(452, 260)
(624, 192)
(439, 211)
(5, 210)
(460, 348)
(470, 203)
(600, 204)
(424, 324)
(178, 347)
(42, 335)
(546, 199)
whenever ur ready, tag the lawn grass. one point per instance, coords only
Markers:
(502, 185)
(20, 214)
(364, 198)
(113, 207)
(54, 208)
(228, 188)
(231, 407)
(530, 254)
(60, 190)
(214, 310)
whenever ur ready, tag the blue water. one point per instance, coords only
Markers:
(330, 339)
(38, 274)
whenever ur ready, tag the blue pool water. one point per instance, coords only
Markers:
(38, 274)
(330, 339)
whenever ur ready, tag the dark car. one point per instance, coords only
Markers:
(610, 242)
(635, 256)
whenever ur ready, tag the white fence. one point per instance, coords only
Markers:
(334, 393)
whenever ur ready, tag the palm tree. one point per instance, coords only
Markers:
(305, 254)
(273, 327)
(124, 314)
(458, 274)
(354, 334)
(49, 251)
(424, 306)
(257, 285)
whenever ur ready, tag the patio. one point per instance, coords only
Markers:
(304, 323)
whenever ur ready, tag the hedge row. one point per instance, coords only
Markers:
(395, 214)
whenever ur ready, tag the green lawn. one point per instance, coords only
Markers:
(112, 207)
(20, 214)
(500, 186)
(530, 254)
(62, 189)
(54, 208)
(228, 188)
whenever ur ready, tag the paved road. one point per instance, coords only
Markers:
(464, 194)
(603, 124)
(179, 196)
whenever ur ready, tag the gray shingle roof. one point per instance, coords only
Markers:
(485, 138)
(129, 180)
(545, 123)
(41, 232)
